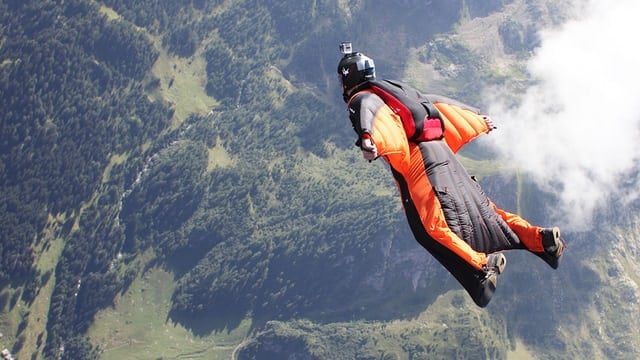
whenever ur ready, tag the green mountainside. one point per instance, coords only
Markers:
(178, 181)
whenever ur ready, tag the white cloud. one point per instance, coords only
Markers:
(577, 130)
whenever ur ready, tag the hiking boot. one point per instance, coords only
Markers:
(492, 280)
(553, 246)
(496, 262)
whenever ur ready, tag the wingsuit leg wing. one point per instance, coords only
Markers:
(472, 279)
(452, 218)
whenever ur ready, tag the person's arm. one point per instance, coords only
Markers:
(363, 108)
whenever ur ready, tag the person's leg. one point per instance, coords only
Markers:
(544, 242)
(529, 234)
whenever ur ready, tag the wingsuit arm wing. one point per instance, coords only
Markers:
(462, 122)
(370, 115)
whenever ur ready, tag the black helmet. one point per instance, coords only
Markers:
(354, 68)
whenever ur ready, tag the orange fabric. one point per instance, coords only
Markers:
(460, 125)
(390, 139)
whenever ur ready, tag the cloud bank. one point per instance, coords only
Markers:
(577, 130)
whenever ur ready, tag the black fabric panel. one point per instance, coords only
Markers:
(466, 207)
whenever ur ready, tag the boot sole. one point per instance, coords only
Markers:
(501, 265)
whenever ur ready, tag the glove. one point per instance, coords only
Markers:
(369, 149)
(490, 124)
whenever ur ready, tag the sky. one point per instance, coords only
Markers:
(576, 131)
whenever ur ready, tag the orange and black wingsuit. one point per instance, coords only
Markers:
(447, 211)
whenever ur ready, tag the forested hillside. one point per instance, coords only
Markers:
(178, 179)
